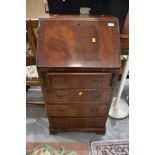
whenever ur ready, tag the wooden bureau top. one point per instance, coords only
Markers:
(73, 41)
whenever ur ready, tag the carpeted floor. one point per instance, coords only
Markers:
(102, 147)
(110, 147)
(57, 148)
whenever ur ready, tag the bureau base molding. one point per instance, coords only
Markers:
(90, 130)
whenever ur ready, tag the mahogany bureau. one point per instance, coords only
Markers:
(78, 59)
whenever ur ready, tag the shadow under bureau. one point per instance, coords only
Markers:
(78, 60)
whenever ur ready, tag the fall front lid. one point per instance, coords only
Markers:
(78, 41)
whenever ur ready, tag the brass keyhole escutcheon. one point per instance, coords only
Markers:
(80, 93)
(93, 40)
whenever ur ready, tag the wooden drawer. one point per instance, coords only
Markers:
(78, 80)
(98, 122)
(87, 110)
(76, 95)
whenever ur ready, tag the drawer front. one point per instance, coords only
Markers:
(98, 122)
(76, 95)
(76, 80)
(87, 110)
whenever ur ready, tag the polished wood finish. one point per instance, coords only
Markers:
(78, 95)
(98, 122)
(74, 41)
(76, 80)
(95, 130)
(78, 61)
(87, 110)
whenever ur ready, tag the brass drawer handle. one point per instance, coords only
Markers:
(97, 95)
(94, 110)
(60, 95)
(61, 109)
(98, 80)
(60, 81)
